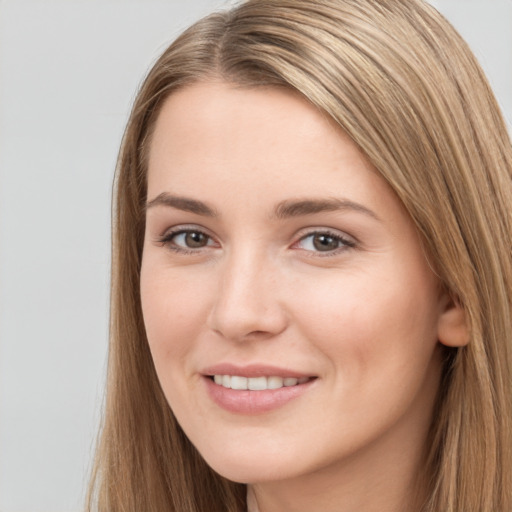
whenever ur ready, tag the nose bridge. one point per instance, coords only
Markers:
(248, 300)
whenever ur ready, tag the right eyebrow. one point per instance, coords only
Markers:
(185, 204)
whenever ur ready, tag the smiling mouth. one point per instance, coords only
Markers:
(261, 383)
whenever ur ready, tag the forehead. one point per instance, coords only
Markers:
(246, 152)
(196, 112)
(221, 131)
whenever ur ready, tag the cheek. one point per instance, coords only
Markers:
(369, 324)
(173, 311)
(378, 344)
(174, 316)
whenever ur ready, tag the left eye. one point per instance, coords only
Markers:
(323, 242)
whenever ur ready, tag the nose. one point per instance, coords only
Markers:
(248, 304)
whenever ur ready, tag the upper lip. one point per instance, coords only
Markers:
(252, 370)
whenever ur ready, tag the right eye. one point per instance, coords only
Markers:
(187, 240)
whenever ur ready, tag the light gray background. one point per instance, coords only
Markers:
(68, 72)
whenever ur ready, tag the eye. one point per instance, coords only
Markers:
(186, 240)
(325, 242)
(191, 239)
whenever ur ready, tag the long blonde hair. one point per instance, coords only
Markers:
(405, 87)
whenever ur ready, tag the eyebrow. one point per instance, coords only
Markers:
(294, 208)
(186, 204)
(284, 210)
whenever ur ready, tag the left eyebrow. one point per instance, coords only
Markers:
(297, 208)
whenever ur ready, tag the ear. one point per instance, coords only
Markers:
(452, 328)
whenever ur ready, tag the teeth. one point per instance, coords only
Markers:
(238, 382)
(257, 383)
(274, 382)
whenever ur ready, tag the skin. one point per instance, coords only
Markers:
(364, 317)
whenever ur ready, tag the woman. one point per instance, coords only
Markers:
(311, 297)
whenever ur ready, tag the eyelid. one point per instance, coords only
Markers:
(347, 241)
(165, 239)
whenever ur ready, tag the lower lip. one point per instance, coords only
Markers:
(254, 402)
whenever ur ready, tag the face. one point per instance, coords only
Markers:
(290, 312)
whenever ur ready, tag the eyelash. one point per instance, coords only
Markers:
(167, 240)
(344, 242)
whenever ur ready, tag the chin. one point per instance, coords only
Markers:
(250, 468)
(248, 474)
